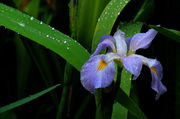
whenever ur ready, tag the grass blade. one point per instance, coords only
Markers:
(87, 18)
(107, 19)
(23, 68)
(123, 99)
(170, 33)
(26, 100)
(65, 93)
(44, 35)
(145, 11)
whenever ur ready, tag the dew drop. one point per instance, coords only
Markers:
(32, 18)
(47, 35)
(98, 19)
(40, 22)
(65, 41)
(67, 48)
(52, 28)
(21, 24)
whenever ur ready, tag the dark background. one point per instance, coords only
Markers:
(166, 13)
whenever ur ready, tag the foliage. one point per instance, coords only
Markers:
(45, 43)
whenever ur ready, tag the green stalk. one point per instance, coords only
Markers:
(65, 93)
(23, 68)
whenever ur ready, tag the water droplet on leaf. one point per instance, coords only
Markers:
(32, 18)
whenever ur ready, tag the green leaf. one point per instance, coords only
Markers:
(33, 8)
(26, 100)
(107, 19)
(65, 92)
(17, 2)
(123, 99)
(170, 33)
(88, 12)
(23, 68)
(130, 28)
(145, 11)
(43, 34)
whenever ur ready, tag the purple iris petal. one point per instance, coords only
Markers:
(104, 44)
(128, 40)
(157, 74)
(105, 37)
(132, 64)
(97, 72)
(120, 43)
(142, 40)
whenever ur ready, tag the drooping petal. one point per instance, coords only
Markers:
(142, 40)
(157, 74)
(120, 43)
(132, 64)
(97, 72)
(106, 42)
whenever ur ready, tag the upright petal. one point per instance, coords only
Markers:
(120, 43)
(142, 40)
(128, 40)
(157, 74)
(132, 64)
(105, 43)
(105, 37)
(97, 72)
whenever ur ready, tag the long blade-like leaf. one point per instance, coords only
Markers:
(26, 100)
(144, 11)
(170, 33)
(128, 103)
(43, 34)
(88, 12)
(107, 19)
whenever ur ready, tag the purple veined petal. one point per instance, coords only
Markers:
(157, 74)
(142, 40)
(132, 64)
(120, 43)
(97, 73)
(106, 43)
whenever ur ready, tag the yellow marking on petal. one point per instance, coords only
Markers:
(153, 70)
(102, 64)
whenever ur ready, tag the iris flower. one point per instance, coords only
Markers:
(99, 70)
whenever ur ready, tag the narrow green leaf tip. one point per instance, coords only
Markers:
(27, 99)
